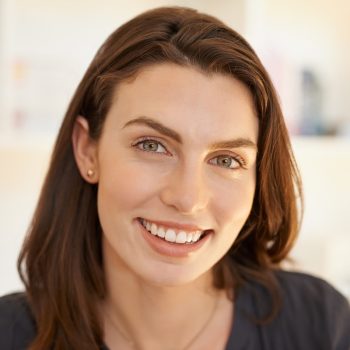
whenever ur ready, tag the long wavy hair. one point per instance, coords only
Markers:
(60, 262)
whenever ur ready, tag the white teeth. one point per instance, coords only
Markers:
(170, 235)
(161, 232)
(181, 237)
(196, 236)
(154, 229)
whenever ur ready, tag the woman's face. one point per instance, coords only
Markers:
(177, 154)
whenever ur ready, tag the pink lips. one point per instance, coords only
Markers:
(164, 247)
(185, 227)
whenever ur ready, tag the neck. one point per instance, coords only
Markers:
(155, 316)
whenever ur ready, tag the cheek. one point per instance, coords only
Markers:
(125, 185)
(235, 202)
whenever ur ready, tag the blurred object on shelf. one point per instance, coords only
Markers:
(312, 121)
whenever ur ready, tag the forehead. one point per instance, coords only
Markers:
(188, 100)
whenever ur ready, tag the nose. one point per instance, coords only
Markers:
(186, 190)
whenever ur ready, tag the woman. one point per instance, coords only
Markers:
(170, 200)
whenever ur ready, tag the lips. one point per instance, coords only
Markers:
(173, 241)
(172, 234)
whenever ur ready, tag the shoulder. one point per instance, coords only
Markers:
(296, 283)
(313, 311)
(17, 327)
(304, 290)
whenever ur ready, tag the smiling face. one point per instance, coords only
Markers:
(177, 157)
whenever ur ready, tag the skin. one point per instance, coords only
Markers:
(163, 179)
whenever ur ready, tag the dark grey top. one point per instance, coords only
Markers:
(313, 316)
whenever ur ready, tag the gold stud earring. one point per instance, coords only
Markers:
(90, 173)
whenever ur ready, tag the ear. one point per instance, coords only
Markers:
(85, 151)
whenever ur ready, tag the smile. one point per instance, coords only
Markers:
(173, 235)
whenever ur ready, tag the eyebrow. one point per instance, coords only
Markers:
(164, 130)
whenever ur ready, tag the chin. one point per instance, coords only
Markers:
(175, 276)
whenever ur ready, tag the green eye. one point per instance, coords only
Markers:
(226, 162)
(151, 146)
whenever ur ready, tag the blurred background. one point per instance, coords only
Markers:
(45, 47)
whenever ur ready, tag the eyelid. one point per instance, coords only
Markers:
(149, 138)
(240, 160)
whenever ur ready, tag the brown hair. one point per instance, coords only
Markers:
(61, 260)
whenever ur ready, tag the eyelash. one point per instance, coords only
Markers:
(235, 158)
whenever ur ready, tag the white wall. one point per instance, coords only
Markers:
(23, 167)
(6, 41)
(323, 245)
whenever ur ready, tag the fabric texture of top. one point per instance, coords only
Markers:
(314, 316)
